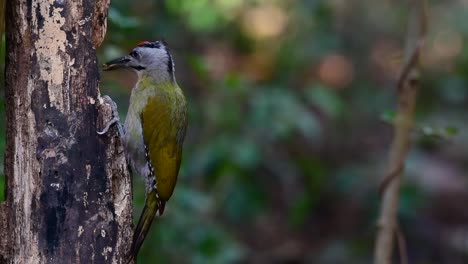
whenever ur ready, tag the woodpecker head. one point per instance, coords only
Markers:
(150, 58)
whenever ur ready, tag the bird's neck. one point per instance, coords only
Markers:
(158, 74)
(149, 85)
(146, 88)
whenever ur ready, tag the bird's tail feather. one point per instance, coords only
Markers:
(152, 205)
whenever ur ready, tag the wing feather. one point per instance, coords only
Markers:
(161, 126)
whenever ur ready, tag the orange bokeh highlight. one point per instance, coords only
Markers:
(336, 71)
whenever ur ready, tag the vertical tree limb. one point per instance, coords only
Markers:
(3, 232)
(68, 189)
(407, 89)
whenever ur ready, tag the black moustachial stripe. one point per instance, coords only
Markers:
(138, 68)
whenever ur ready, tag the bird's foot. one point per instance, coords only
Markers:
(115, 117)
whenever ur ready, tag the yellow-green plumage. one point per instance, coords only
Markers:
(158, 112)
(164, 123)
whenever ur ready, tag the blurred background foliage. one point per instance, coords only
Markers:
(291, 104)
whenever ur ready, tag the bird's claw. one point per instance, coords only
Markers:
(109, 124)
(115, 119)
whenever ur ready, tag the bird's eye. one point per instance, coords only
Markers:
(135, 54)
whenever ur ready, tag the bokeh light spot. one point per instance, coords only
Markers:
(336, 71)
(265, 21)
(447, 44)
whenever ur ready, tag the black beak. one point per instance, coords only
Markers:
(116, 64)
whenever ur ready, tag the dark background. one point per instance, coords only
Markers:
(290, 111)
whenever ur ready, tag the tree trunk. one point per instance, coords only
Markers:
(68, 189)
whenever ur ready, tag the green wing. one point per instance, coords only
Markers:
(162, 123)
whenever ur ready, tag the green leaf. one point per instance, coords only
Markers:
(451, 131)
(388, 116)
(326, 99)
(437, 133)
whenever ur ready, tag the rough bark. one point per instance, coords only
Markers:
(68, 189)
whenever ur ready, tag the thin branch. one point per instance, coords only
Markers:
(410, 65)
(407, 87)
(389, 177)
(402, 246)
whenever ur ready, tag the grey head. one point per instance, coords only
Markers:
(148, 58)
